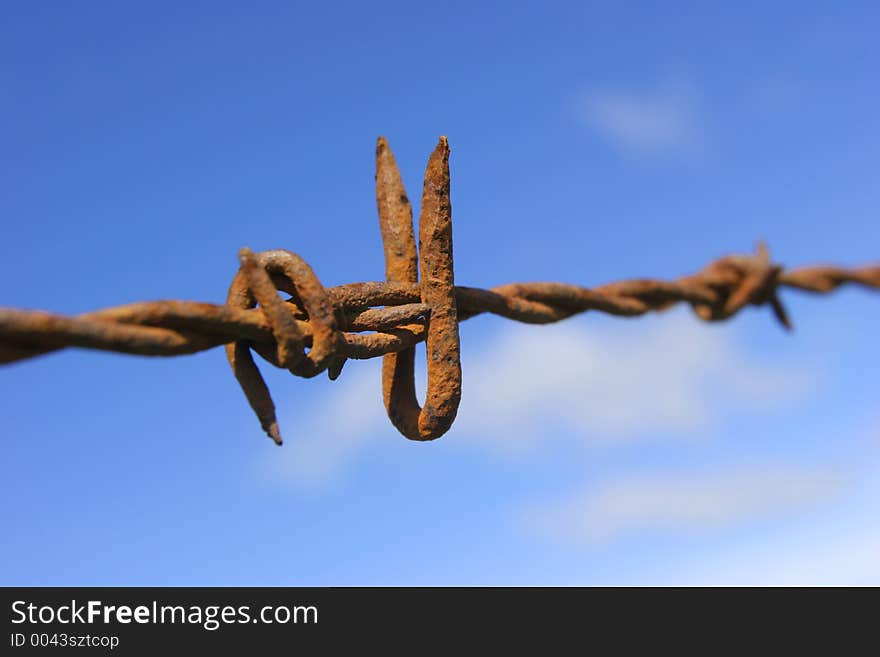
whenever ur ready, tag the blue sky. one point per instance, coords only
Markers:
(146, 143)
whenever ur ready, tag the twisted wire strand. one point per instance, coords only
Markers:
(317, 329)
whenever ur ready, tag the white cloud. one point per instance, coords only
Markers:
(850, 557)
(333, 432)
(683, 501)
(654, 123)
(840, 546)
(668, 376)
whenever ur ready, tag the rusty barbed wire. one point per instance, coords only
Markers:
(318, 328)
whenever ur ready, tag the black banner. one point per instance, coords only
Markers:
(148, 620)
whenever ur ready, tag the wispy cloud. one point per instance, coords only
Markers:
(646, 123)
(333, 433)
(837, 547)
(669, 378)
(683, 501)
(838, 556)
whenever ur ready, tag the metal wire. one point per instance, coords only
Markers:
(318, 328)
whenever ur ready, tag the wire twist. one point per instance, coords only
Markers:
(318, 329)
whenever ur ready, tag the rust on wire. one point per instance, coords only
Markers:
(317, 329)
(437, 292)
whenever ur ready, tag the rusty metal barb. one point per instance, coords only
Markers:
(437, 290)
(318, 329)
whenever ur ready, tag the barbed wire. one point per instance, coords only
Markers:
(317, 329)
